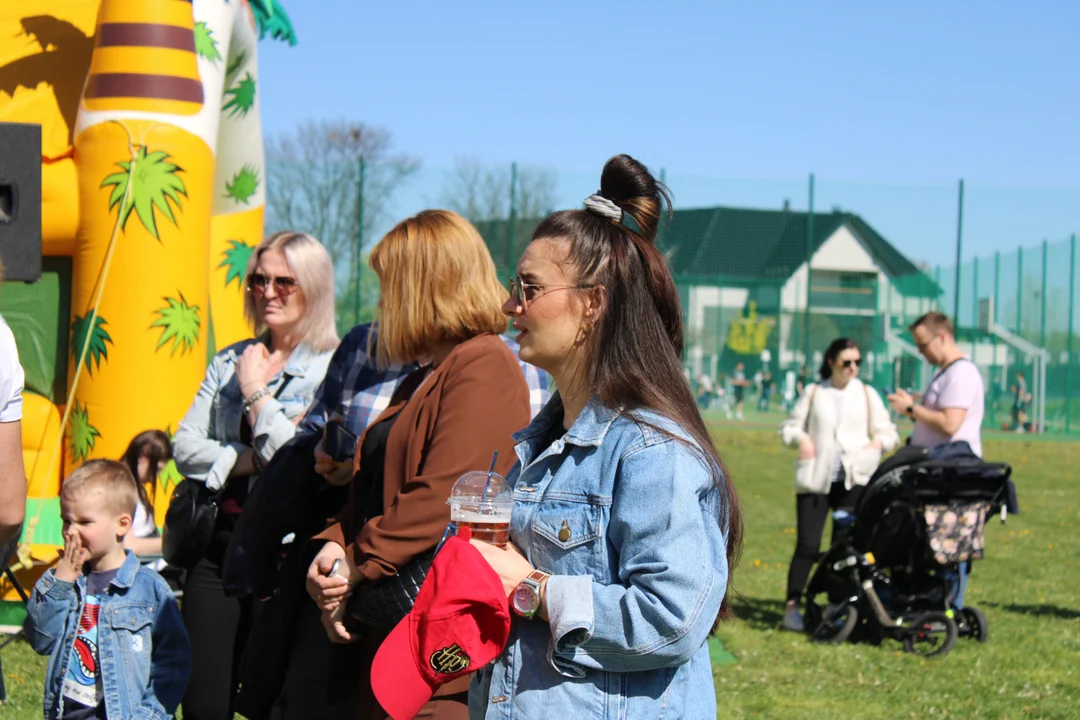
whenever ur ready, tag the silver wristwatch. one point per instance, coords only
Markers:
(525, 599)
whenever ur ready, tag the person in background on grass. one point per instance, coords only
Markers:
(952, 407)
(146, 456)
(12, 470)
(625, 527)
(739, 384)
(1020, 401)
(841, 428)
(767, 387)
(112, 630)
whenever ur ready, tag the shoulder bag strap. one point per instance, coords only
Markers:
(809, 408)
(869, 426)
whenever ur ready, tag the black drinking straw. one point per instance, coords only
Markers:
(491, 471)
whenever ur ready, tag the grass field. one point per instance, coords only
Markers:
(1028, 586)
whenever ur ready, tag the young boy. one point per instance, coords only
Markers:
(112, 629)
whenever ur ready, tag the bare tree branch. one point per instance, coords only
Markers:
(482, 192)
(313, 180)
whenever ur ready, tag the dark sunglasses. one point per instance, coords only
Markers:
(848, 363)
(283, 286)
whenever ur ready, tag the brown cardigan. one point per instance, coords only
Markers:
(462, 412)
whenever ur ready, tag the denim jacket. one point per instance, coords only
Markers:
(143, 650)
(628, 521)
(207, 443)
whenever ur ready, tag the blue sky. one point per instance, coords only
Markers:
(738, 102)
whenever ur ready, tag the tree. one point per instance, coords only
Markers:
(482, 192)
(313, 180)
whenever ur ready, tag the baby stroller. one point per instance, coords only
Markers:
(893, 570)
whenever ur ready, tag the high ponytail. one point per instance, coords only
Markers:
(633, 356)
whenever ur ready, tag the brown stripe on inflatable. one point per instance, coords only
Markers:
(156, 35)
(134, 85)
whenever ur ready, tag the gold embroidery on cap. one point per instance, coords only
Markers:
(449, 660)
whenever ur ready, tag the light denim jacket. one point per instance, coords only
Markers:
(207, 443)
(143, 650)
(628, 521)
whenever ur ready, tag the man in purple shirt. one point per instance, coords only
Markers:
(953, 405)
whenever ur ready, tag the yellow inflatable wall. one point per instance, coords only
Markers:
(152, 174)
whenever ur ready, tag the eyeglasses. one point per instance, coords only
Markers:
(848, 363)
(283, 286)
(522, 293)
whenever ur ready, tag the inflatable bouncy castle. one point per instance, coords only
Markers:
(152, 200)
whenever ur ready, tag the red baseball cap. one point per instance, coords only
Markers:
(459, 623)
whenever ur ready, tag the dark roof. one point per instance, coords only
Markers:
(725, 245)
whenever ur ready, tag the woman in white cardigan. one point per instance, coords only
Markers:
(841, 428)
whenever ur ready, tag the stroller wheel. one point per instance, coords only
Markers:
(975, 624)
(932, 634)
(836, 624)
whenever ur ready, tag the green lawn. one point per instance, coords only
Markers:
(1028, 586)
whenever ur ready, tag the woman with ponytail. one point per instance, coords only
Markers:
(626, 526)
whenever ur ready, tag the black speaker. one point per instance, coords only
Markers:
(20, 201)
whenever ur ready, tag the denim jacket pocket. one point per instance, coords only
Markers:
(566, 538)
(131, 627)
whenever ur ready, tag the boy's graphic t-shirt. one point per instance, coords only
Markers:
(84, 696)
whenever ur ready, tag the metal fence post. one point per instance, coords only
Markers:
(511, 260)
(974, 295)
(359, 243)
(809, 255)
(1069, 337)
(1042, 332)
(959, 242)
(1020, 290)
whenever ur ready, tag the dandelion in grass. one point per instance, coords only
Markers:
(206, 46)
(98, 350)
(235, 261)
(81, 434)
(180, 323)
(241, 97)
(244, 184)
(154, 184)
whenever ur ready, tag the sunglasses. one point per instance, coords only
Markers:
(848, 363)
(522, 293)
(283, 286)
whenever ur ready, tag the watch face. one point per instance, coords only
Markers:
(524, 600)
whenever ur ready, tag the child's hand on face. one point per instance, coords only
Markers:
(72, 558)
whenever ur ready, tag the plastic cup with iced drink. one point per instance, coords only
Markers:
(487, 515)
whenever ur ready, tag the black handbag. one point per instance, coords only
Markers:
(192, 514)
(382, 605)
(189, 523)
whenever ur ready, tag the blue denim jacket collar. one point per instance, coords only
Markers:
(589, 429)
(125, 576)
(299, 360)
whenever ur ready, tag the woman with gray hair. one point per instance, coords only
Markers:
(247, 407)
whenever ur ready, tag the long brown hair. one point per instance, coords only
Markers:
(154, 445)
(633, 353)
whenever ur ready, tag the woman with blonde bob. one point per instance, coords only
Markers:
(439, 306)
(246, 408)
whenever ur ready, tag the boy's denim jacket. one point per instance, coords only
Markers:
(630, 523)
(207, 442)
(143, 650)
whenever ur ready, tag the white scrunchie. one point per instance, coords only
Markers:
(604, 208)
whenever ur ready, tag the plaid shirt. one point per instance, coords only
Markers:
(359, 391)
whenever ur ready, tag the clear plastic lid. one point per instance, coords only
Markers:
(469, 491)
